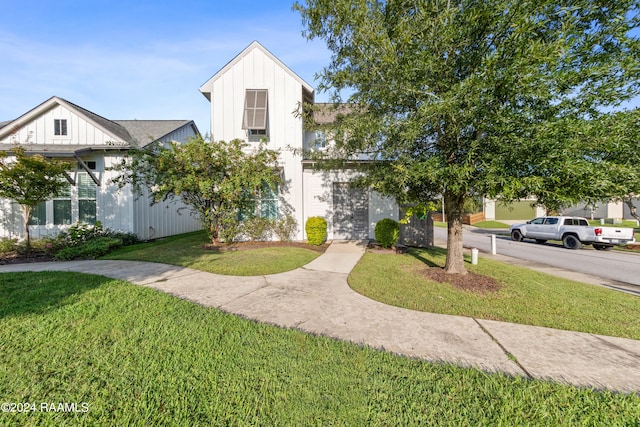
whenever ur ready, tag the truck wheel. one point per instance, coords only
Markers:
(516, 236)
(570, 241)
(540, 241)
(599, 247)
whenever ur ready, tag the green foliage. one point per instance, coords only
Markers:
(30, 180)
(316, 229)
(92, 248)
(285, 228)
(257, 229)
(387, 232)
(216, 179)
(81, 232)
(7, 245)
(465, 99)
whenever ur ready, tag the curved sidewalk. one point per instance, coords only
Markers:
(316, 298)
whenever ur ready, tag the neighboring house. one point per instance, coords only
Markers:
(255, 97)
(60, 129)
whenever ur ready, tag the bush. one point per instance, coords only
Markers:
(7, 245)
(316, 228)
(387, 232)
(81, 232)
(93, 248)
(285, 228)
(257, 229)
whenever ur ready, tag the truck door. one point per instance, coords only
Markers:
(549, 228)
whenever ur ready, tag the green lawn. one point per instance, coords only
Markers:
(528, 297)
(491, 224)
(138, 357)
(188, 250)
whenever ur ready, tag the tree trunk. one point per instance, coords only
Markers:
(455, 249)
(632, 208)
(27, 212)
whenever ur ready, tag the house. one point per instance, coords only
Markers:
(255, 97)
(60, 129)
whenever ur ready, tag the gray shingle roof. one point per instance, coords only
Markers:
(144, 132)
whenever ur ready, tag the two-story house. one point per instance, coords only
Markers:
(60, 129)
(256, 97)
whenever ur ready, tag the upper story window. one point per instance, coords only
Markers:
(60, 127)
(254, 119)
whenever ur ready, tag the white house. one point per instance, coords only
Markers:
(255, 97)
(60, 129)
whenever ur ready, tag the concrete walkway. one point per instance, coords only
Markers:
(316, 298)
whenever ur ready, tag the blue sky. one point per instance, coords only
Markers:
(139, 59)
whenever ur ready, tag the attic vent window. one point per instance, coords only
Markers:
(255, 110)
(60, 127)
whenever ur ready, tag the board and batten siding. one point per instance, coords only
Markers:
(79, 130)
(318, 199)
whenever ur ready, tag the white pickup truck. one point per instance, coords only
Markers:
(572, 231)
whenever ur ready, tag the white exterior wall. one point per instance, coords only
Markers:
(41, 130)
(318, 199)
(257, 70)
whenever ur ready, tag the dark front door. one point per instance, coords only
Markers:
(350, 212)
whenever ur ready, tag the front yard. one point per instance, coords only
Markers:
(192, 250)
(523, 296)
(135, 356)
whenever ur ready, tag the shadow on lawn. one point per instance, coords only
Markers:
(40, 292)
(419, 254)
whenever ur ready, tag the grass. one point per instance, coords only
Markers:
(527, 297)
(187, 250)
(139, 357)
(491, 224)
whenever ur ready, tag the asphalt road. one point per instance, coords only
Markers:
(614, 265)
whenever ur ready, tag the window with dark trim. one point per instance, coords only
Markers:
(62, 208)
(60, 127)
(38, 215)
(86, 199)
(255, 110)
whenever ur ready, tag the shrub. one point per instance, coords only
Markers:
(285, 228)
(257, 229)
(90, 249)
(387, 232)
(80, 232)
(316, 228)
(7, 245)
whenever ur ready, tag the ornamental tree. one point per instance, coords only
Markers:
(460, 98)
(216, 179)
(30, 180)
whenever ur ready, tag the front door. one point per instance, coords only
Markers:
(350, 212)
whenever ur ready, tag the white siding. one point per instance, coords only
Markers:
(41, 130)
(318, 199)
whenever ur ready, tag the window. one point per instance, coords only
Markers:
(264, 206)
(255, 111)
(269, 202)
(551, 221)
(62, 208)
(38, 214)
(86, 199)
(60, 127)
(321, 139)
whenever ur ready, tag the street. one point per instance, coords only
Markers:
(613, 265)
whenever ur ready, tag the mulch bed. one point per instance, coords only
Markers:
(471, 282)
(14, 258)
(634, 247)
(243, 246)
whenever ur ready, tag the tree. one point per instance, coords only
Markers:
(30, 180)
(460, 99)
(217, 179)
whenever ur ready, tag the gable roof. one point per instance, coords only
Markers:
(100, 122)
(144, 132)
(205, 89)
(128, 133)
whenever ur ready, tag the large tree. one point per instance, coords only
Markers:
(217, 179)
(464, 98)
(30, 180)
